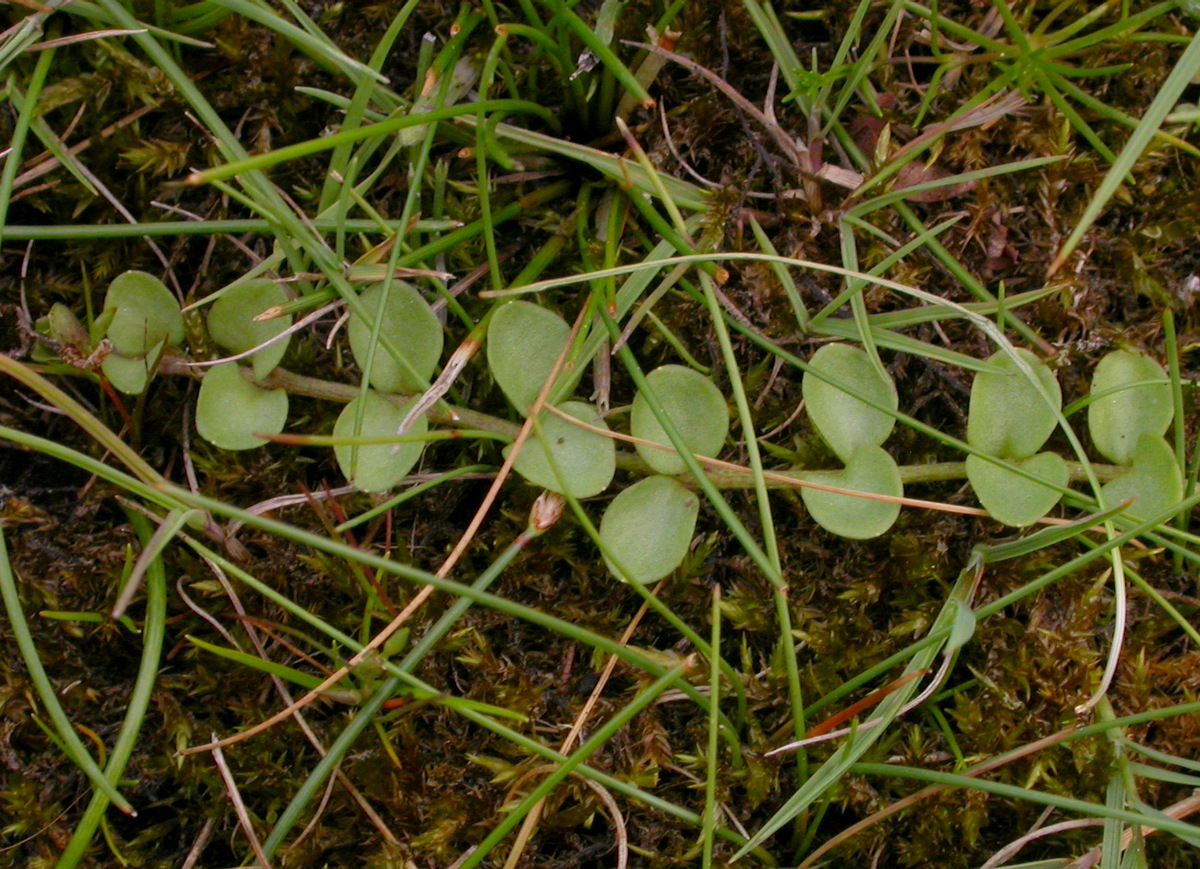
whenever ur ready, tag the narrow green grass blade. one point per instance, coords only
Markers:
(71, 742)
(153, 634)
(590, 746)
(714, 745)
(1168, 95)
(1162, 756)
(297, 677)
(16, 142)
(1114, 798)
(846, 756)
(783, 276)
(1062, 803)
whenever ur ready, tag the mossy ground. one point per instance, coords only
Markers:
(437, 780)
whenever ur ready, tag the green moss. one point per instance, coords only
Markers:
(440, 782)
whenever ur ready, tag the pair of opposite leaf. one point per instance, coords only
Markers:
(855, 430)
(1013, 412)
(232, 412)
(143, 317)
(398, 347)
(1131, 409)
(647, 528)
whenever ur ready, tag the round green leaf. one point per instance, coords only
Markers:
(1119, 418)
(847, 423)
(232, 325)
(523, 343)
(1155, 480)
(231, 410)
(126, 374)
(585, 460)
(377, 467)
(412, 327)
(693, 404)
(143, 313)
(1009, 417)
(648, 527)
(869, 470)
(1013, 499)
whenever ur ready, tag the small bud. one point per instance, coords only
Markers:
(65, 326)
(546, 510)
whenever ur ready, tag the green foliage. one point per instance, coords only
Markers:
(129, 375)
(695, 407)
(811, 625)
(143, 314)
(870, 470)
(1130, 412)
(846, 422)
(1010, 416)
(648, 528)
(141, 318)
(523, 342)
(1012, 498)
(1131, 397)
(410, 324)
(377, 467)
(231, 411)
(854, 431)
(1012, 413)
(565, 458)
(1154, 481)
(232, 324)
